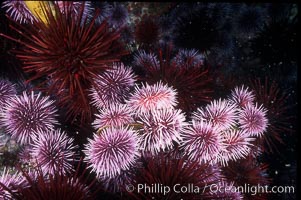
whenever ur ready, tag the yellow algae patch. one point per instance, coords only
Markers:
(40, 8)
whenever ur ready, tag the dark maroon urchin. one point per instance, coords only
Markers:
(72, 51)
(75, 186)
(193, 83)
(147, 32)
(170, 170)
(247, 172)
(276, 102)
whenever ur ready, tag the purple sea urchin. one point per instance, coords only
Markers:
(145, 59)
(112, 86)
(161, 128)
(75, 7)
(113, 150)
(189, 57)
(253, 119)
(202, 141)
(151, 97)
(25, 115)
(54, 151)
(119, 16)
(11, 181)
(7, 90)
(114, 115)
(242, 96)
(237, 145)
(18, 11)
(221, 113)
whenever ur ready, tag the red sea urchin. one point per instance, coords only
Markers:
(280, 121)
(74, 186)
(177, 173)
(71, 50)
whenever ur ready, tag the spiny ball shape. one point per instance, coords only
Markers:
(76, 7)
(115, 115)
(221, 113)
(242, 96)
(253, 119)
(7, 90)
(146, 59)
(189, 57)
(10, 181)
(112, 86)
(119, 16)
(174, 172)
(237, 145)
(54, 151)
(113, 150)
(202, 141)
(72, 51)
(192, 83)
(18, 11)
(26, 115)
(152, 97)
(161, 128)
(147, 32)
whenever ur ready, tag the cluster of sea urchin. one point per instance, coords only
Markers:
(68, 52)
(186, 73)
(154, 125)
(224, 129)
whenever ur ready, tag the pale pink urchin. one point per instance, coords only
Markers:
(113, 115)
(54, 151)
(152, 97)
(242, 96)
(113, 150)
(237, 145)
(161, 128)
(221, 113)
(25, 115)
(112, 86)
(202, 141)
(253, 119)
